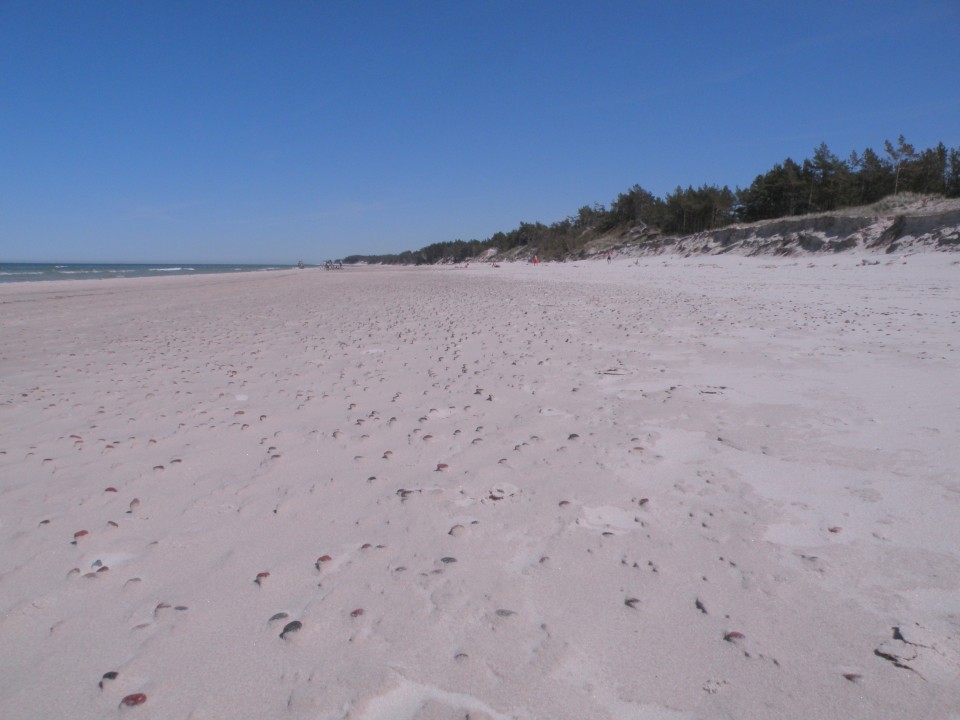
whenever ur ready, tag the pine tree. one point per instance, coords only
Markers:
(900, 156)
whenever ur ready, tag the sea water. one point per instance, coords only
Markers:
(21, 272)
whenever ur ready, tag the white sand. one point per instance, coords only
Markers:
(765, 447)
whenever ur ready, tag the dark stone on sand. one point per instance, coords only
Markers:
(291, 627)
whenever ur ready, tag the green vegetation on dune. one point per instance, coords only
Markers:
(822, 183)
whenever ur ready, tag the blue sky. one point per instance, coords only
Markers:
(272, 131)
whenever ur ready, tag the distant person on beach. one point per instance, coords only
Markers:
(609, 258)
(536, 260)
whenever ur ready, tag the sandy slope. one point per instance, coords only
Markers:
(666, 489)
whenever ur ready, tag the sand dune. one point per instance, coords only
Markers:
(657, 489)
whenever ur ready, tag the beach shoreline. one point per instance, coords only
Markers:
(663, 487)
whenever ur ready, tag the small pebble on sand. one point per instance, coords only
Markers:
(112, 675)
(291, 627)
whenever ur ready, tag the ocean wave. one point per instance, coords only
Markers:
(24, 272)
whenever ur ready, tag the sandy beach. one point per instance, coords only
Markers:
(656, 489)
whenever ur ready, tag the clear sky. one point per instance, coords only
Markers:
(272, 131)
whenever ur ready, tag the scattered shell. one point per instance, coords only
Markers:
(564, 503)
(357, 613)
(573, 436)
(631, 602)
(852, 677)
(112, 675)
(159, 607)
(733, 636)
(261, 576)
(505, 613)
(80, 534)
(448, 560)
(643, 501)
(135, 699)
(457, 530)
(278, 616)
(442, 466)
(834, 529)
(110, 489)
(291, 627)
